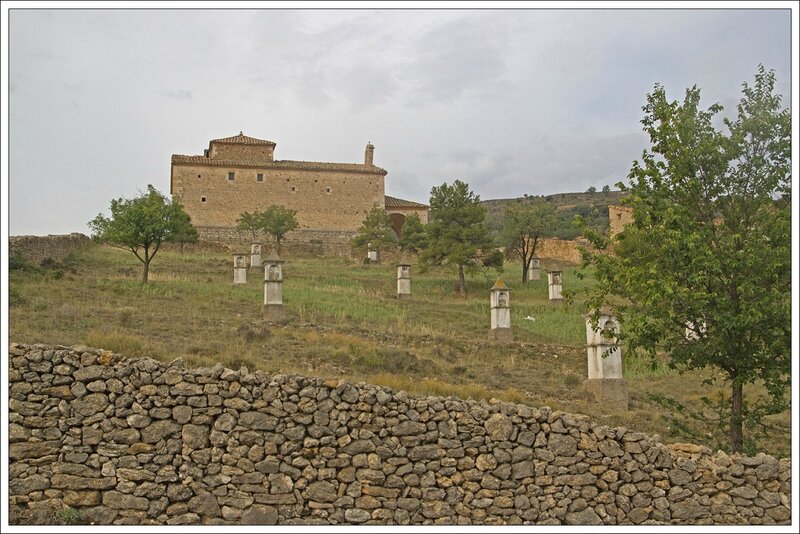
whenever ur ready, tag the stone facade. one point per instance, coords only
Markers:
(567, 251)
(239, 173)
(137, 441)
(398, 209)
(618, 217)
(34, 248)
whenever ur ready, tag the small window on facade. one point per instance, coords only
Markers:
(328, 190)
(199, 176)
(294, 189)
(259, 177)
(202, 199)
(231, 175)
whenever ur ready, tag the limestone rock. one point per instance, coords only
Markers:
(584, 517)
(499, 427)
(562, 445)
(260, 514)
(159, 430)
(120, 501)
(195, 436)
(321, 492)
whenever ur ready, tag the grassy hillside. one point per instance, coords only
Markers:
(345, 322)
(593, 207)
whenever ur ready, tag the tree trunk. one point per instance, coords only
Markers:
(146, 263)
(462, 287)
(737, 438)
(278, 245)
(524, 270)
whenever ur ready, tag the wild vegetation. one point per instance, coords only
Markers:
(592, 207)
(345, 322)
(276, 221)
(705, 267)
(142, 224)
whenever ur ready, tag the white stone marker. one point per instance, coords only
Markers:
(373, 256)
(403, 280)
(239, 268)
(500, 312)
(554, 279)
(693, 333)
(273, 310)
(604, 358)
(255, 254)
(534, 272)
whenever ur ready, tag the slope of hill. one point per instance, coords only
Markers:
(593, 207)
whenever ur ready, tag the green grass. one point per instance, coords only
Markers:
(344, 323)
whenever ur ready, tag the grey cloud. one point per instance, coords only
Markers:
(180, 94)
(455, 58)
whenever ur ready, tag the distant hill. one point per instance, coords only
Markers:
(593, 207)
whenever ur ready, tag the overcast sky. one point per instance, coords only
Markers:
(510, 101)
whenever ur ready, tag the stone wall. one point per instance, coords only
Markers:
(136, 441)
(618, 217)
(35, 248)
(305, 242)
(561, 250)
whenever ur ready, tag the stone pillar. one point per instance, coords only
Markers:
(403, 280)
(534, 272)
(500, 312)
(239, 268)
(693, 333)
(605, 380)
(255, 254)
(373, 256)
(554, 279)
(273, 310)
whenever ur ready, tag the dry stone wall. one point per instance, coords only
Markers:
(137, 441)
(311, 242)
(36, 248)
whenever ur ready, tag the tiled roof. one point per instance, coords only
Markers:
(242, 139)
(178, 159)
(392, 202)
(499, 284)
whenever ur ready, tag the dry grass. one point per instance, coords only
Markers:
(345, 323)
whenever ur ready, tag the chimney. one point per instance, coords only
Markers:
(368, 154)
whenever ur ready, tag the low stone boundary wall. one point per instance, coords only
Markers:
(137, 441)
(36, 248)
(302, 242)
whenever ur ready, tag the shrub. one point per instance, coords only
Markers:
(69, 516)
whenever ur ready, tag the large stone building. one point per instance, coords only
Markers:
(239, 173)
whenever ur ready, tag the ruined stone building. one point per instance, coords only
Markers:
(618, 218)
(239, 173)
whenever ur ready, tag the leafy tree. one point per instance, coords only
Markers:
(525, 225)
(709, 247)
(592, 189)
(277, 221)
(186, 233)
(456, 233)
(375, 232)
(250, 221)
(142, 224)
(606, 189)
(413, 237)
